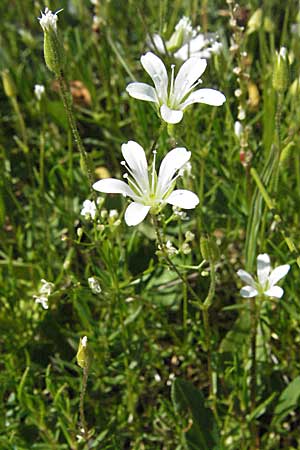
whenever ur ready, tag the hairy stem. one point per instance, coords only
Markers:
(83, 424)
(253, 315)
(67, 102)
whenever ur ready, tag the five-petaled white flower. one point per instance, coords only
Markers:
(266, 281)
(48, 20)
(147, 189)
(89, 209)
(174, 99)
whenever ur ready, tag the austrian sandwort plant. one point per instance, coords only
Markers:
(149, 209)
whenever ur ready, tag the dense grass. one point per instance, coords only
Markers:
(145, 328)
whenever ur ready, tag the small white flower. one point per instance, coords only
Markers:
(266, 281)
(238, 129)
(89, 209)
(84, 341)
(48, 21)
(44, 291)
(149, 190)
(170, 249)
(173, 99)
(46, 287)
(42, 299)
(39, 91)
(94, 285)
(186, 42)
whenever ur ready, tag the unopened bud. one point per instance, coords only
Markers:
(8, 84)
(281, 71)
(255, 21)
(209, 249)
(53, 51)
(84, 354)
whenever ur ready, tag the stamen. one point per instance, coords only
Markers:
(153, 171)
(172, 79)
(134, 184)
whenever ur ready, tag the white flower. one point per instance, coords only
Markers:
(266, 281)
(39, 91)
(202, 46)
(186, 42)
(94, 285)
(44, 292)
(89, 209)
(238, 129)
(84, 341)
(149, 190)
(48, 20)
(42, 299)
(46, 287)
(173, 99)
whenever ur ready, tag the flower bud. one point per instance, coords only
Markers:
(84, 354)
(281, 71)
(209, 249)
(255, 21)
(8, 84)
(53, 51)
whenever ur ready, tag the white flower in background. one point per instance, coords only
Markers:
(44, 292)
(39, 91)
(266, 281)
(84, 341)
(173, 99)
(186, 42)
(48, 21)
(42, 299)
(89, 209)
(148, 190)
(94, 285)
(238, 129)
(46, 287)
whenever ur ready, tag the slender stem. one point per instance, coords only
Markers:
(170, 263)
(67, 101)
(81, 403)
(253, 315)
(20, 118)
(205, 311)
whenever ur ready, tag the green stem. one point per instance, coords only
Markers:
(170, 263)
(67, 102)
(253, 315)
(21, 122)
(83, 424)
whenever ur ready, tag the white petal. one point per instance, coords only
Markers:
(136, 213)
(183, 199)
(248, 291)
(190, 48)
(188, 73)
(157, 71)
(246, 277)
(158, 42)
(263, 268)
(142, 91)
(113, 186)
(135, 158)
(170, 115)
(173, 161)
(274, 291)
(278, 273)
(208, 96)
